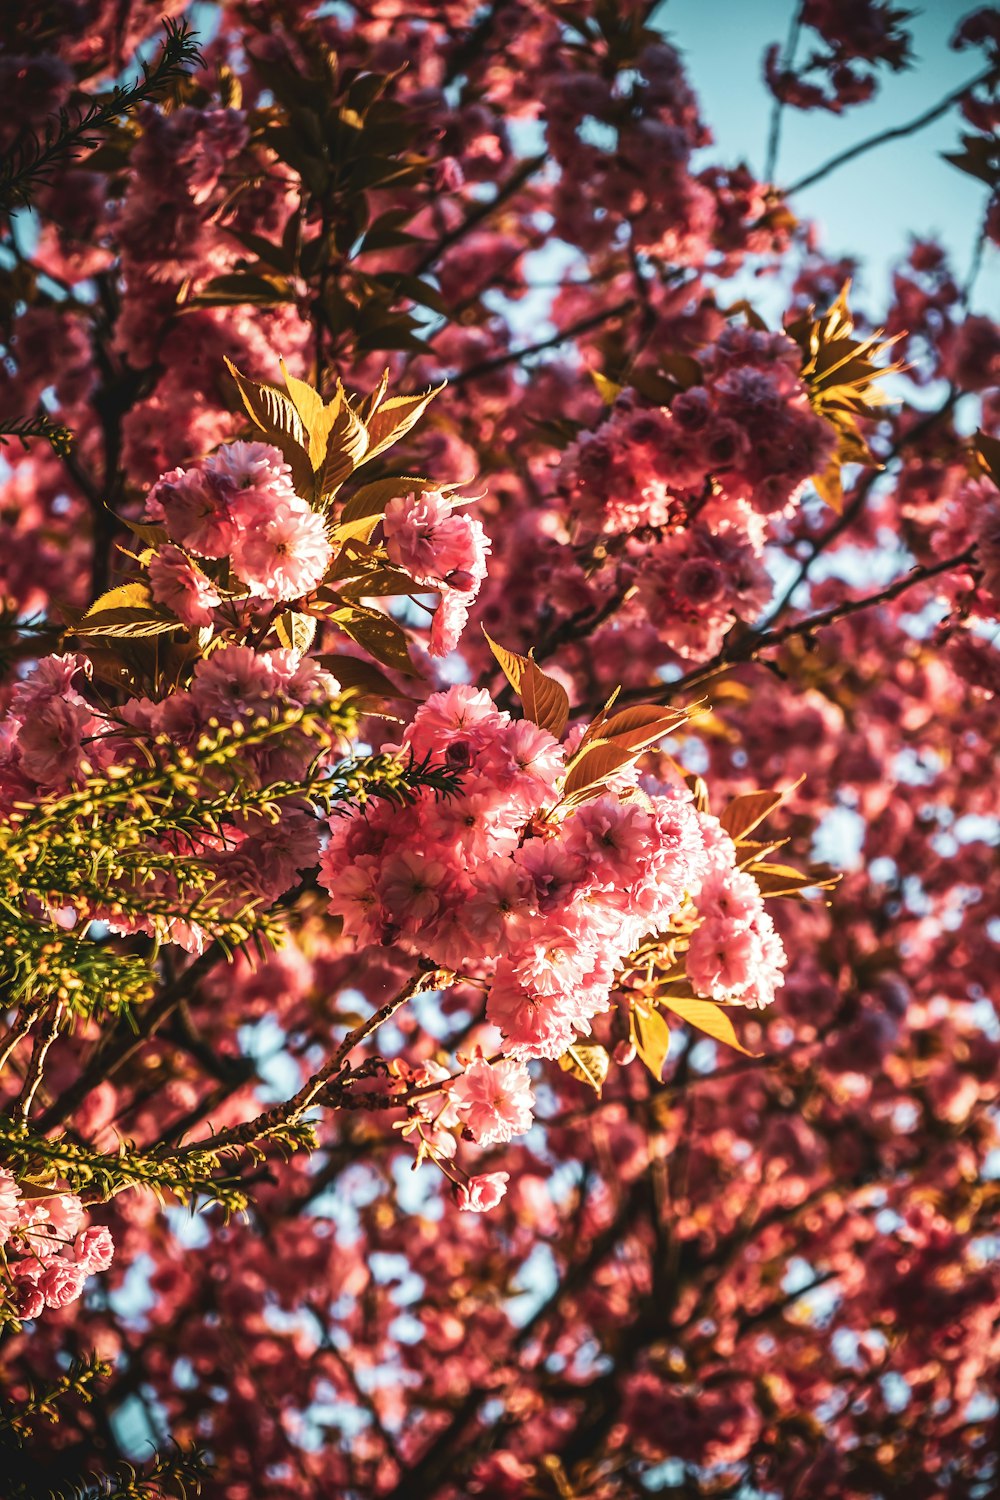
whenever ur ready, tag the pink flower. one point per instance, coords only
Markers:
(94, 1248)
(252, 466)
(482, 1193)
(194, 505)
(65, 1215)
(425, 538)
(410, 887)
(27, 1298)
(50, 741)
(494, 1099)
(233, 683)
(450, 619)
(9, 1216)
(175, 581)
(440, 550)
(61, 1282)
(282, 550)
(532, 1025)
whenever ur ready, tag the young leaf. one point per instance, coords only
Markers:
(745, 812)
(379, 635)
(545, 700)
(589, 1062)
(591, 770)
(346, 447)
(274, 413)
(637, 728)
(128, 610)
(784, 880)
(361, 677)
(651, 1036)
(307, 402)
(295, 631)
(708, 1017)
(394, 418)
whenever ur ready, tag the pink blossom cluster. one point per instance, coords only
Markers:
(651, 116)
(504, 884)
(734, 953)
(47, 1249)
(440, 550)
(47, 734)
(746, 429)
(238, 504)
(970, 518)
(857, 38)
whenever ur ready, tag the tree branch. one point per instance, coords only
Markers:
(897, 132)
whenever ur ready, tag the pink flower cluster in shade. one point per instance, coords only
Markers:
(442, 551)
(48, 1250)
(544, 908)
(678, 496)
(238, 504)
(747, 426)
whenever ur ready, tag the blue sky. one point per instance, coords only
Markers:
(871, 206)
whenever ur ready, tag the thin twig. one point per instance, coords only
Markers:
(897, 132)
(294, 1108)
(777, 107)
(750, 646)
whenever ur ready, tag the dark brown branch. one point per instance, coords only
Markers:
(749, 647)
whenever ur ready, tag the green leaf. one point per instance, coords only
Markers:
(239, 287)
(361, 677)
(382, 583)
(380, 636)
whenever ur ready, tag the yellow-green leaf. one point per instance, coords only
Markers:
(366, 507)
(651, 1036)
(394, 418)
(295, 631)
(346, 447)
(589, 1062)
(608, 390)
(708, 1017)
(129, 610)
